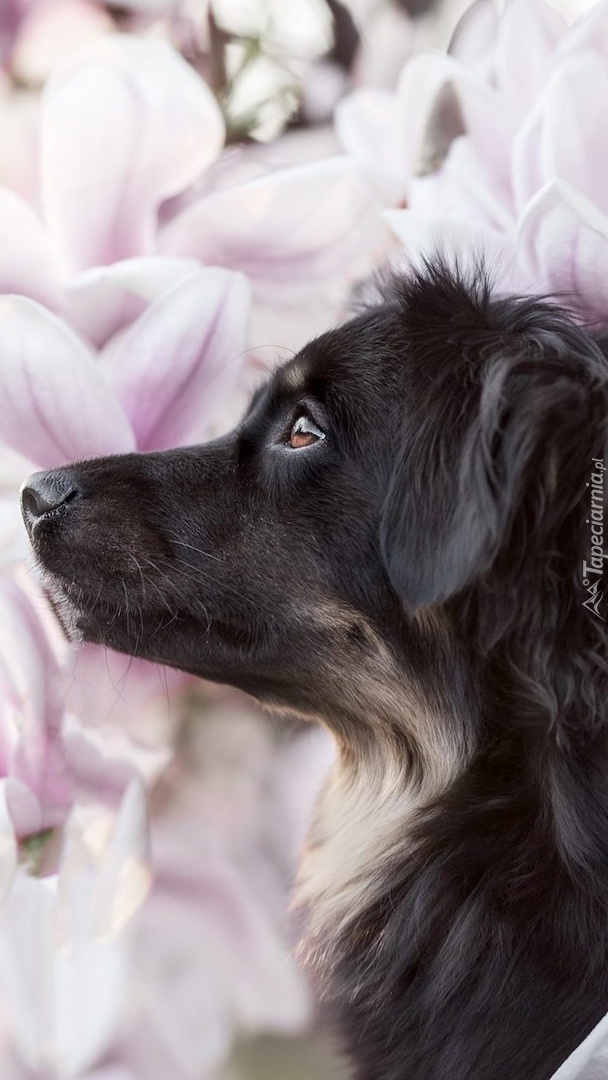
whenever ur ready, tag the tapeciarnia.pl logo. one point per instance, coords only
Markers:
(594, 569)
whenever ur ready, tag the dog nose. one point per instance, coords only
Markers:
(44, 492)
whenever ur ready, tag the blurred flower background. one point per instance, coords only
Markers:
(190, 189)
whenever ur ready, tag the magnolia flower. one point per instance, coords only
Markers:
(36, 786)
(126, 128)
(63, 946)
(500, 153)
(210, 942)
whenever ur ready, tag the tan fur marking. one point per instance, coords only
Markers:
(373, 795)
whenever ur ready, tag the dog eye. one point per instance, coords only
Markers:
(304, 433)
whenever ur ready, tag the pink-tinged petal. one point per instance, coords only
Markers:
(460, 242)
(126, 125)
(144, 1053)
(367, 128)
(101, 301)
(128, 703)
(563, 136)
(20, 141)
(25, 809)
(114, 1072)
(563, 241)
(51, 31)
(102, 763)
(171, 368)
(56, 404)
(230, 965)
(31, 708)
(291, 225)
(188, 1008)
(27, 263)
(8, 845)
(31, 670)
(529, 32)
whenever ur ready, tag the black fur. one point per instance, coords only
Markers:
(445, 515)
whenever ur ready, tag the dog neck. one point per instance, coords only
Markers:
(396, 757)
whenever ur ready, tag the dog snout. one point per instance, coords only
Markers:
(43, 493)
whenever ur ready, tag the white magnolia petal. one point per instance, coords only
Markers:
(562, 136)
(527, 175)
(576, 126)
(14, 545)
(8, 845)
(295, 223)
(490, 121)
(367, 127)
(33, 691)
(464, 189)
(101, 301)
(27, 667)
(66, 999)
(529, 32)
(439, 99)
(475, 36)
(563, 242)
(90, 993)
(56, 404)
(26, 967)
(27, 262)
(590, 1059)
(589, 32)
(174, 363)
(125, 875)
(428, 122)
(126, 125)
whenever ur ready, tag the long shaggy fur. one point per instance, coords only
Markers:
(427, 580)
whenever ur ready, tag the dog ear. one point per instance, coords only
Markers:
(456, 490)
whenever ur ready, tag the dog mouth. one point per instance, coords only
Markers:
(68, 603)
(90, 615)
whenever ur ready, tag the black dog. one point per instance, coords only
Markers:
(403, 539)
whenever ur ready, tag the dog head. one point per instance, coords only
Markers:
(411, 488)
